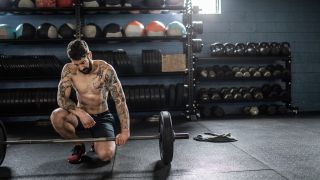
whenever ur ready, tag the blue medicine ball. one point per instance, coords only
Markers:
(176, 28)
(7, 32)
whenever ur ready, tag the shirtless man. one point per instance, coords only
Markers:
(92, 81)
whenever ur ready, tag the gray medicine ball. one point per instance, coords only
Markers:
(91, 30)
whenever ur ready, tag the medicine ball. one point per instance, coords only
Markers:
(91, 30)
(153, 3)
(112, 30)
(24, 3)
(91, 3)
(47, 31)
(67, 31)
(176, 28)
(155, 28)
(45, 3)
(25, 31)
(133, 3)
(113, 3)
(134, 29)
(7, 32)
(65, 3)
(174, 2)
(5, 4)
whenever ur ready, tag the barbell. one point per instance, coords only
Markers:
(166, 138)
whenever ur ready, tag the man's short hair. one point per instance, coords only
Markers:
(77, 49)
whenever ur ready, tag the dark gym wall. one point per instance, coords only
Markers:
(295, 21)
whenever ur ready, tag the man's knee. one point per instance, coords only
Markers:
(58, 113)
(57, 116)
(105, 154)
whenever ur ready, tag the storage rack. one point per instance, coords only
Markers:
(78, 11)
(252, 60)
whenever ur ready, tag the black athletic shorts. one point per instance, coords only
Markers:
(104, 126)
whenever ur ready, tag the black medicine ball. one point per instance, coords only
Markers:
(67, 31)
(5, 3)
(25, 31)
(154, 3)
(24, 3)
(112, 30)
(47, 31)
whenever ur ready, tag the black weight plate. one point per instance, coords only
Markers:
(205, 111)
(157, 95)
(3, 147)
(179, 94)
(153, 96)
(147, 96)
(166, 137)
(185, 95)
(172, 95)
(154, 61)
(142, 96)
(126, 93)
(137, 96)
(131, 96)
(162, 96)
(158, 57)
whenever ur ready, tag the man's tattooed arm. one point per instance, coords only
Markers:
(64, 90)
(116, 91)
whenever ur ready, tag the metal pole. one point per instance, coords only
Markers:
(48, 141)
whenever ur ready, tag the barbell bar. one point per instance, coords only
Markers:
(166, 138)
(49, 141)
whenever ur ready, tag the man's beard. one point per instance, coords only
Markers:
(87, 70)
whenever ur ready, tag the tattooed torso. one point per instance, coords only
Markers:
(91, 88)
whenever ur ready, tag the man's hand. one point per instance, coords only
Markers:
(86, 120)
(122, 138)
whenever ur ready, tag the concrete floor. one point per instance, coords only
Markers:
(267, 148)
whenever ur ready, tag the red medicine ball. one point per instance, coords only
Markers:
(65, 3)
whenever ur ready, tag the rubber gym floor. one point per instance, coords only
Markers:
(267, 148)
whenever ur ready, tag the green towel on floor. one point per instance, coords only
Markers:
(211, 137)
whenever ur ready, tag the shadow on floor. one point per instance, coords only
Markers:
(5, 173)
(161, 171)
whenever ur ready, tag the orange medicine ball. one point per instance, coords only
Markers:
(65, 3)
(155, 28)
(134, 29)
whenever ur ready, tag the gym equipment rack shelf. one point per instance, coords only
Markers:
(78, 11)
(96, 40)
(245, 61)
(59, 11)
